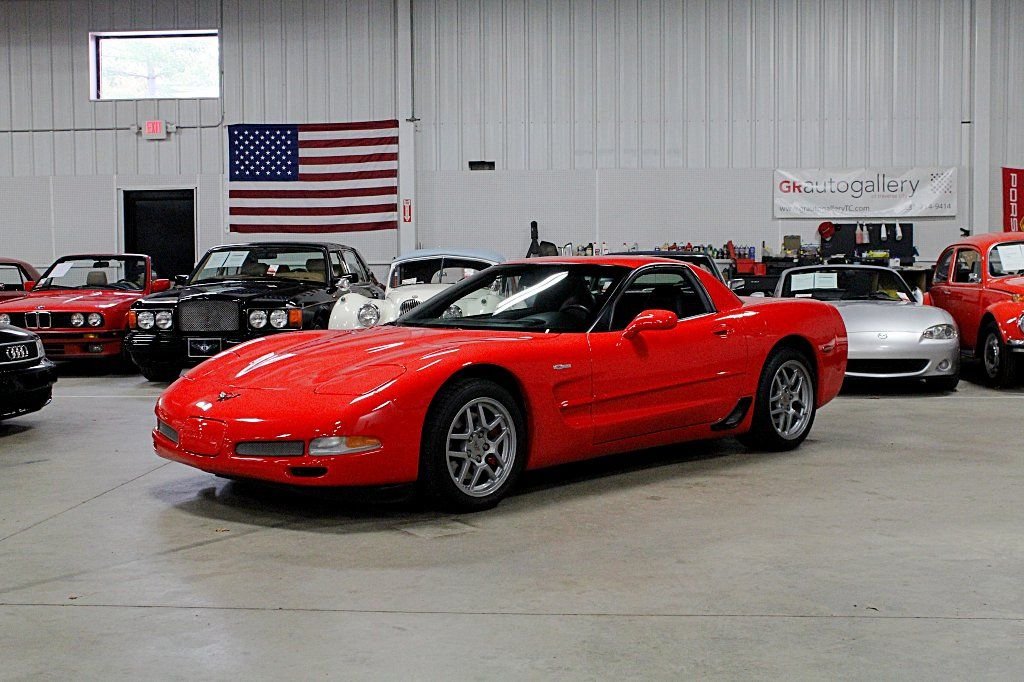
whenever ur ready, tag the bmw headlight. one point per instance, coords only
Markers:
(278, 319)
(146, 320)
(164, 319)
(5, 318)
(258, 319)
(95, 319)
(453, 312)
(368, 315)
(940, 332)
(77, 319)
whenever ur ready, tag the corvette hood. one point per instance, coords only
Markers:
(72, 301)
(890, 316)
(348, 362)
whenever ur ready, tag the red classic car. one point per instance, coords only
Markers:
(523, 365)
(979, 281)
(79, 306)
(13, 275)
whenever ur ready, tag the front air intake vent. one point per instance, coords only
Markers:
(271, 448)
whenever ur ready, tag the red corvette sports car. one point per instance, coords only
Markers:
(79, 306)
(522, 366)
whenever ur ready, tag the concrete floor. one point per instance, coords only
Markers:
(889, 546)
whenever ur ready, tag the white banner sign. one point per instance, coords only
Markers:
(865, 192)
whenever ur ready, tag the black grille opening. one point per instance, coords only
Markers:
(407, 305)
(308, 472)
(208, 316)
(271, 448)
(885, 366)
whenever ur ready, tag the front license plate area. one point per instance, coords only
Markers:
(203, 348)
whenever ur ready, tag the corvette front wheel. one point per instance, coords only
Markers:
(474, 445)
(784, 407)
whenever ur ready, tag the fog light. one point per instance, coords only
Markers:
(944, 365)
(95, 348)
(342, 445)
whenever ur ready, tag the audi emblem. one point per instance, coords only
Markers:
(17, 353)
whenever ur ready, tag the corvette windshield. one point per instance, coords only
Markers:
(534, 297)
(1006, 259)
(127, 273)
(847, 284)
(301, 264)
(442, 270)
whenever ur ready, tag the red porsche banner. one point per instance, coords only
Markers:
(1013, 199)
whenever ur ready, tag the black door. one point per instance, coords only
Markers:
(161, 224)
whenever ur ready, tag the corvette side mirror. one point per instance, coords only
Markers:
(651, 321)
(161, 285)
(29, 284)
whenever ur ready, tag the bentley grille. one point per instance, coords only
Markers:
(407, 305)
(208, 316)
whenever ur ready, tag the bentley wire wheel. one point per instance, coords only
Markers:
(784, 408)
(474, 445)
(997, 361)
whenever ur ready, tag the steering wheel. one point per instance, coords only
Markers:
(577, 309)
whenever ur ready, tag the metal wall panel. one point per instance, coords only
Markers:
(657, 84)
(1007, 144)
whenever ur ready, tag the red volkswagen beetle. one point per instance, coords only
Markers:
(979, 281)
(524, 365)
(79, 306)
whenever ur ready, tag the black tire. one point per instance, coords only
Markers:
(942, 384)
(764, 433)
(159, 372)
(445, 421)
(997, 363)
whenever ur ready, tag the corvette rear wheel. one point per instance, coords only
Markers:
(997, 361)
(474, 445)
(784, 408)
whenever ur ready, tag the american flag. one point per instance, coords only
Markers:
(327, 177)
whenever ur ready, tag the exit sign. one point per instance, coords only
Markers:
(154, 130)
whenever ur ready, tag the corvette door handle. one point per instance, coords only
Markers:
(722, 331)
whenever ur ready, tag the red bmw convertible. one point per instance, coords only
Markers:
(522, 366)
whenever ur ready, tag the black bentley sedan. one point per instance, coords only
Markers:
(240, 292)
(26, 375)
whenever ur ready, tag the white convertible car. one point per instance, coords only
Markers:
(414, 278)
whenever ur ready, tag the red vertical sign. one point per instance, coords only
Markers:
(1013, 199)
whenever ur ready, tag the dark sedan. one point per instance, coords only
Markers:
(26, 376)
(241, 292)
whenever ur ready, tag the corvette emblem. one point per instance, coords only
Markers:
(226, 396)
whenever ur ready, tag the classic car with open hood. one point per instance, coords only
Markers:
(79, 307)
(521, 366)
(241, 292)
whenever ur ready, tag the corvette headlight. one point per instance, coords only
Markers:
(258, 319)
(95, 319)
(164, 319)
(146, 320)
(278, 319)
(77, 319)
(368, 315)
(453, 311)
(940, 332)
(342, 445)
(5, 318)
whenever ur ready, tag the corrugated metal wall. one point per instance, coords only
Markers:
(1007, 47)
(688, 84)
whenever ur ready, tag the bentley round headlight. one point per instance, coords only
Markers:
(77, 319)
(368, 315)
(146, 320)
(258, 319)
(278, 319)
(940, 332)
(5, 318)
(164, 320)
(95, 319)
(453, 312)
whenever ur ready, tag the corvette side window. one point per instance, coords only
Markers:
(673, 290)
(968, 267)
(942, 267)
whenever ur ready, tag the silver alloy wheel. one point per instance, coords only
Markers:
(481, 447)
(991, 354)
(792, 399)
